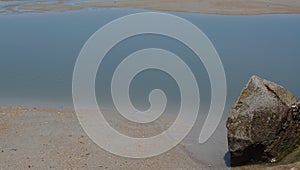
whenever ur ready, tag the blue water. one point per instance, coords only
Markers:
(38, 52)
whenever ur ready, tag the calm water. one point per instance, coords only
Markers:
(38, 53)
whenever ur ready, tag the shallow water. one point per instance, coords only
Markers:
(38, 53)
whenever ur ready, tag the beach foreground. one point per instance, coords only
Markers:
(43, 138)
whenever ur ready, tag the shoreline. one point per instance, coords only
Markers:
(53, 138)
(219, 7)
(59, 142)
(238, 7)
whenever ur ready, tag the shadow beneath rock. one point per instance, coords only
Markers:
(227, 159)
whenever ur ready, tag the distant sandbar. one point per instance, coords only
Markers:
(224, 7)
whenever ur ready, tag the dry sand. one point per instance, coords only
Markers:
(227, 7)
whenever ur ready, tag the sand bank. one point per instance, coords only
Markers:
(49, 7)
(225, 7)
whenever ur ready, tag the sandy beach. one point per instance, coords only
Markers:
(224, 7)
(45, 138)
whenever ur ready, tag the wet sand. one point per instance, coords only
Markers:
(42, 138)
(45, 138)
(50, 7)
(225, 7)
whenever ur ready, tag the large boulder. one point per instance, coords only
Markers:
(264, 123)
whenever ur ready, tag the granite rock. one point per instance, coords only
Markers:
(264, 123)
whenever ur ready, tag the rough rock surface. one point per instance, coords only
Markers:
(264, 123)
